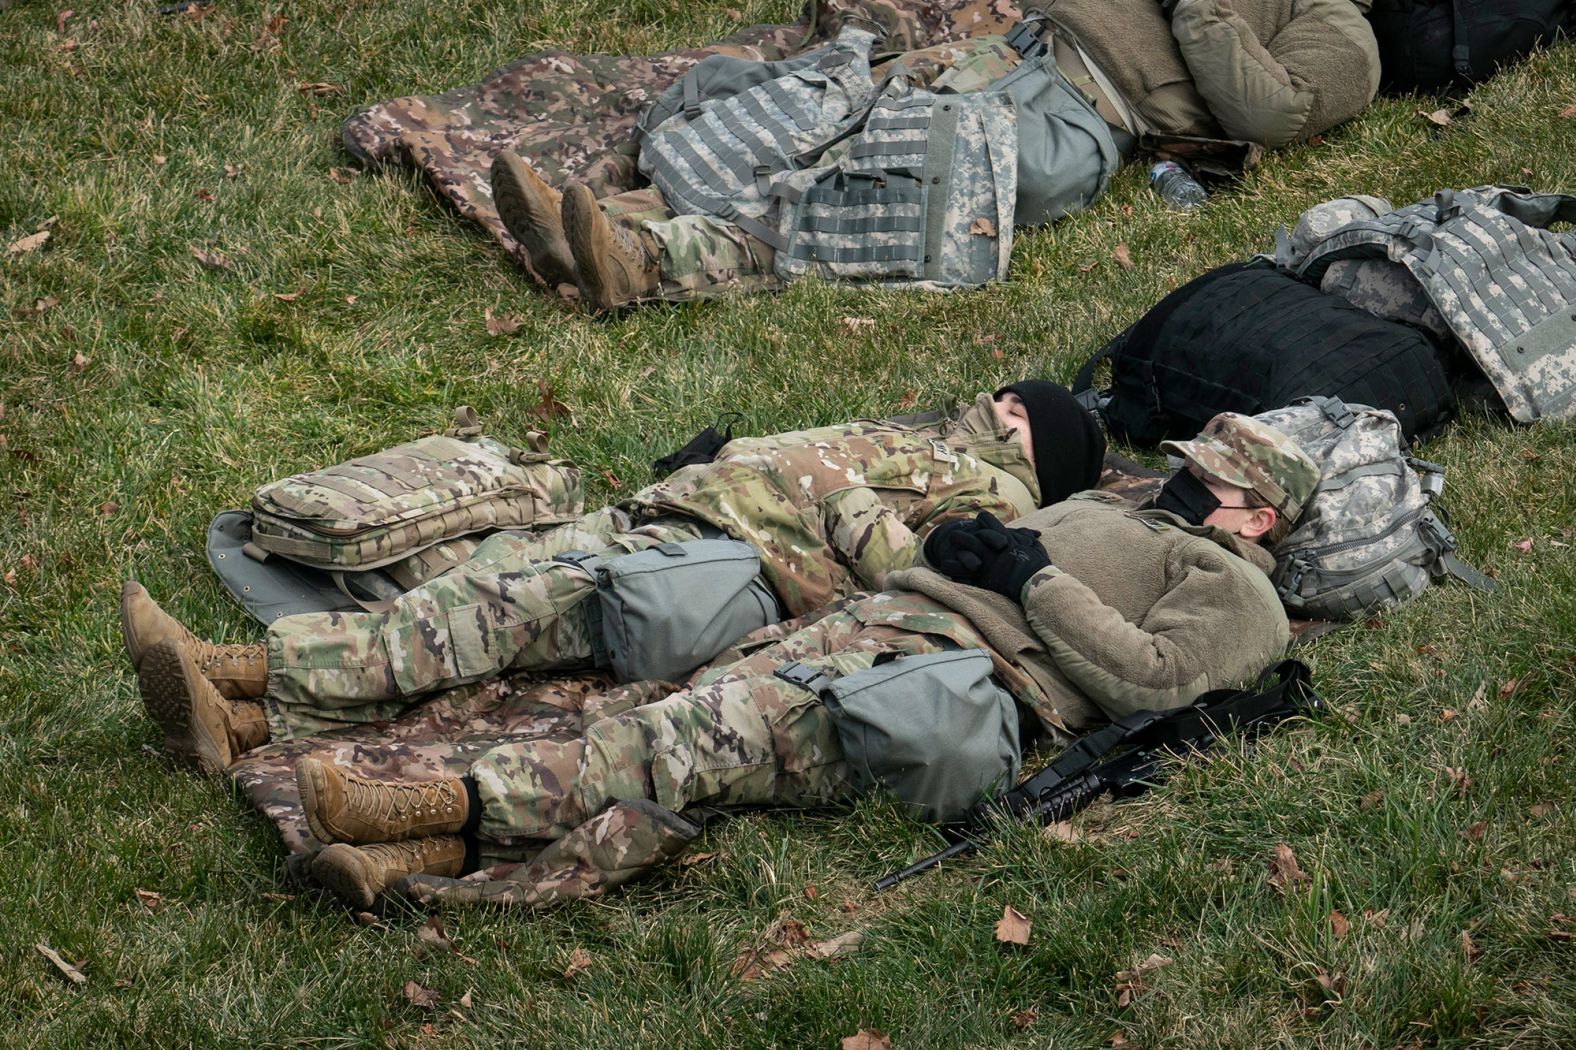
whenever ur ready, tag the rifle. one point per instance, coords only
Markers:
(1127, 757)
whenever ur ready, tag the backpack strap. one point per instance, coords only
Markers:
(1442, 543)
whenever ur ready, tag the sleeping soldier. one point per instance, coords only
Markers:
(830, 511)
(1088, 610)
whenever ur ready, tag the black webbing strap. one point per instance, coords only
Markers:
(1461, 52)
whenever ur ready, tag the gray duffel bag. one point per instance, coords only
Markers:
(670, 608)
(935, 730)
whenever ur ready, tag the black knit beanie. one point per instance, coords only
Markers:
(1069, 447)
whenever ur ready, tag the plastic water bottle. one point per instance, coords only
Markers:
(1175, 186)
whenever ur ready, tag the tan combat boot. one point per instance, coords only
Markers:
(201, 728)
(239, 672)
(342, 807)
(359, 873)
(532, 212)
(612, 262)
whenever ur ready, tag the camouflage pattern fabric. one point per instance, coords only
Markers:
(507, 608)
(1251, 454)
(375, 510)
(573, 116)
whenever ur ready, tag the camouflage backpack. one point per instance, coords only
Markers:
(1369, 538)
(357, 534)
(1479, 267)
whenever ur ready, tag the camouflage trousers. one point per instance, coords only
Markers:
(507, 607)
(697, 256)
(738, 735)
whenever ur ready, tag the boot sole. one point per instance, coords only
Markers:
(513, 199)
(340, 868)
(310, 783)
(169, 682)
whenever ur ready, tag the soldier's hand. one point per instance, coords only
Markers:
(954, 550)
(1014, 556)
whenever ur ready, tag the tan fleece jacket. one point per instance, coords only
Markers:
(1265, 71)
(1138, 611)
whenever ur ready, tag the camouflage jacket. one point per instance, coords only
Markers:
(1138, 610)
(833, 510)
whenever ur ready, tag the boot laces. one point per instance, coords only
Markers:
(235, 655)
(391, 802)
(628, 241)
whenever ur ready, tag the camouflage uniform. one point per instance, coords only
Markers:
(573, 116)
(831, 510)
(1137, 610)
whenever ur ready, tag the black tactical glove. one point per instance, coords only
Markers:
(985, 553)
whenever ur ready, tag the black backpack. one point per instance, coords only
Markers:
(1431, 45)
(1247, 338)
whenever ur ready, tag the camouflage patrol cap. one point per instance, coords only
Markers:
(1242, 451)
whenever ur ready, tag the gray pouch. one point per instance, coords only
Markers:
(668, 609)
(935, 730)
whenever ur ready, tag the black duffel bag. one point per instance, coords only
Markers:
(1248, 338)
(1431, 45)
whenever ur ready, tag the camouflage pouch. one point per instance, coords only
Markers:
(384, 508)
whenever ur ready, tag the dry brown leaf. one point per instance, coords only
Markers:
(1478, 703)
(1117, 1039)
(1024, 1018)
(1062, 831)
(79, 361)
(696, 858)
(1123, 257)
(203, 194)
(1372, 799)
(350, 300)
(810, 892)
(61, 19)
(908, 400)
(1414, 931)
(268, 36)
(1475, 831)
(1376, 918)
(465, 1000)
(1403, 720)
(1509, 687)
(1130, 984)
(754, 964)
(982, 228)
(420, 995)
(1568, 111)
(343, 176)
(1086, 267)
(1012, 927)
(154, 902)
(579, 960)
(1525, 546)
(1439, 117)
(844, 944)
(1340, 925)
(366, 918)
(31, 243)
(70, 972)
(857, 324)
(277, 898)
(287, 297)
(549, 406)
(212, 260)
(231, 171)
(1447, 715)
(39, 308)
(501, 324)
(321, 88)
(1334, 985)
(432, 934)
(1284, 871)
(1542, 809)
(867, 1039)
(1468, 948)
(847, 907)
(1459, 780)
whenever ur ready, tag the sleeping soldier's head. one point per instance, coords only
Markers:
(1242, 476)
(1061, 438)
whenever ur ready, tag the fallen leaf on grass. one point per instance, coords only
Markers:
(841, 946)
(1439, 117)
(432, 934)
(810, 892)
(1340, 925)
(1024, 1018)
(79, 361)
(579, 960)
(320, 88)
(343, 176)
(1370, 800)
(1542, 809)
(465, 1000)
(1062, 831)
(753, 965)
(31, 243)
(268, 36)
(1130, 984)
(277, 898)
(212, 260)
(696, 858)
(500, 324)
(61, 19)
(1284, 871)
(867, 1039)
(154, 902)
(1332, 984)
(1568, 111)
(1012, 927)
(420, 995)
(231, 171)
(1123, 257)
(847, 907)
(71, 973)
(1447, 715)
(1459, 779)
(1468, 948)
(1474, 831)
(39, 308)
(1509, 687)
(857, 324)
(549, 406)
(287, 297)
(1525, 546)
(982, 228)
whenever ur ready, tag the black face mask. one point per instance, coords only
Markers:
(1187, 497)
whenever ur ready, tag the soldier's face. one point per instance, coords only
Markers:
(1235, 514)
(1011, 415)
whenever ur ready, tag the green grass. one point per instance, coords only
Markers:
(195, 386)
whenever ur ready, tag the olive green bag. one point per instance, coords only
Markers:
(384, 508)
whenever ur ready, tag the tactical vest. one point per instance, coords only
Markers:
(1501, 282)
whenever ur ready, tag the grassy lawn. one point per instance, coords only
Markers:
(141, 392)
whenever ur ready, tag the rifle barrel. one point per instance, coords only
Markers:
(957, 849)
